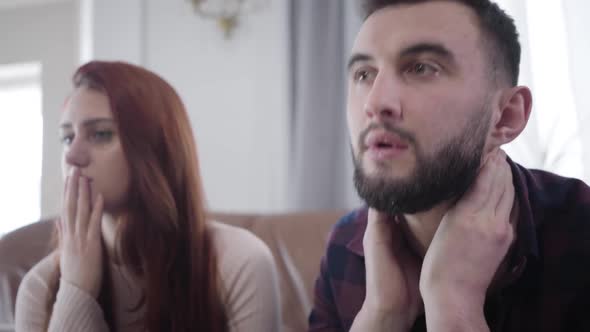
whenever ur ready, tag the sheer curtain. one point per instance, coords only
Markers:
(554, 64)
(320, 171)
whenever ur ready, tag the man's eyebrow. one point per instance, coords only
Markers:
(358, 57)
(87, 123)
(415, 49)
(434, 48)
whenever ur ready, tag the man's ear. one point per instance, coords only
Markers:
(511, 114)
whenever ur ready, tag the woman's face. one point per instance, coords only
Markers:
(91, 142)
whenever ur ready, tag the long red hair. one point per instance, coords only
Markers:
(163, 235)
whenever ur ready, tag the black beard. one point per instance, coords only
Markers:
(443, 177)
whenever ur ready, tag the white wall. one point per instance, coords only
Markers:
(235, 90)
(47, 33)
(11, 4)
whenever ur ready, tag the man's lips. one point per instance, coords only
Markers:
(382, 145)
(381, 139)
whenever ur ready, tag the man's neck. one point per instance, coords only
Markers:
(419, 228)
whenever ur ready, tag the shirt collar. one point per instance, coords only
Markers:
(355, 244)
(526, 244)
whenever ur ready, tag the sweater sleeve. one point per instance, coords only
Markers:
(250, 282)
(73, 310)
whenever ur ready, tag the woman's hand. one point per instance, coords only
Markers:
(79, 228)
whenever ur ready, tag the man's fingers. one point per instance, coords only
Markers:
(498, 166)
(383, 229)
(506, 202)
(83, 208)
(478, 196)
(376, 217)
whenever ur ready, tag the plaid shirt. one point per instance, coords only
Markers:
(545, 288)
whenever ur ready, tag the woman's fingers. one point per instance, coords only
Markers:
(59, 227)
(71, 201)
(94, 229)
(83, 208)
(64, 206)
(65, 187)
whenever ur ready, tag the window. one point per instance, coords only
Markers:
(21, 142)
(552, 140)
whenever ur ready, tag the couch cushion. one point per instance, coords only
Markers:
(297, 242)
(20, 250)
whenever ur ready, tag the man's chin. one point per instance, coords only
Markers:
(384, 176)
(386, 170)
(389, 194)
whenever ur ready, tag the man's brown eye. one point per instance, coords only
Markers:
(361, 75)
(419, 68)
(422, 69)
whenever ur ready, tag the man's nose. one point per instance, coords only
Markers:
(383, 100)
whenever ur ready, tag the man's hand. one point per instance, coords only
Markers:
(467, 249)
(392, 301)
(80, 236)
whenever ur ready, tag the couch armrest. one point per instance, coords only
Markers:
(20, 250)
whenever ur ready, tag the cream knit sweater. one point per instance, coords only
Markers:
(249, 281)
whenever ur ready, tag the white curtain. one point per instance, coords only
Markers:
(320, 165)
(555, 65)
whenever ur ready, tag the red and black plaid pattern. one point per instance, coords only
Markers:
(545, 288)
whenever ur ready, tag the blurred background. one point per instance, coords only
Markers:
(264, 84)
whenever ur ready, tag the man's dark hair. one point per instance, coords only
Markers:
(498, 28)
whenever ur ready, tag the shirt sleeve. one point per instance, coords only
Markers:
(324, 316)
(74, 310)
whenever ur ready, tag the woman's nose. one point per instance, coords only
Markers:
(77, 154)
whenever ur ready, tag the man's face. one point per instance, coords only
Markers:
(418, 105)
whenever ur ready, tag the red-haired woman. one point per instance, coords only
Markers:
(136, 251)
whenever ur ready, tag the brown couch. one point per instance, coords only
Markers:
(296, 240)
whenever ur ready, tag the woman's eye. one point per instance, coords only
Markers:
(67, 139)
(102, 135)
